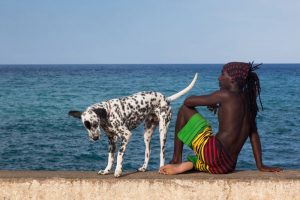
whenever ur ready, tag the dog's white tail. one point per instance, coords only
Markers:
(184, 91)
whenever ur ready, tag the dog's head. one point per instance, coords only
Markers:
(91, 120)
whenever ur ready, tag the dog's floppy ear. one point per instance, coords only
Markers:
(101, 112)
(76, 114)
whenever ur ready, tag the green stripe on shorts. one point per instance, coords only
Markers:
(196, 124)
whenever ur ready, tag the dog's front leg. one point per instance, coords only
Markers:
(125, 136)
(111, 154)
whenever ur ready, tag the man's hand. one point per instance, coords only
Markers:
(213, 108)
(269, 169)
(256, 147)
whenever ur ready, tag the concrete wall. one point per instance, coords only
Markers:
(149, 185)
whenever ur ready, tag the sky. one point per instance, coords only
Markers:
(149, 31)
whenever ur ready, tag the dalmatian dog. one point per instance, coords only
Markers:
(118, 117)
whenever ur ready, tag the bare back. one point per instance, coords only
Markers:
(234, 123)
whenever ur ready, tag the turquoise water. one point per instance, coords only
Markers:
(36, 132)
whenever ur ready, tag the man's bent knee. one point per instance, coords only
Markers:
(187, 112)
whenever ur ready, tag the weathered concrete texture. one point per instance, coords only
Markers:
(149, 185)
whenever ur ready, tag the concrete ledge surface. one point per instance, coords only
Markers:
(149, 185)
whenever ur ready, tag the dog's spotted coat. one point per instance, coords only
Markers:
(117, 117)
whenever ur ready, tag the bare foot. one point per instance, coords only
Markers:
(171, 169)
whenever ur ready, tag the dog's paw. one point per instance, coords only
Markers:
(118, 173)
(142, 169)
(103, 172)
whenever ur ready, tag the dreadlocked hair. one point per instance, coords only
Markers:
(252, 90)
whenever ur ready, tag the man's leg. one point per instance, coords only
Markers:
(183, 116)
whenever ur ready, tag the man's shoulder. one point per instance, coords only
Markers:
(224, 93)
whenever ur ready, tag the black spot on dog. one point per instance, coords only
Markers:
(143, 110)
(101, 112)
(121, 150)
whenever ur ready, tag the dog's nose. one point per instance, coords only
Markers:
(96, 138)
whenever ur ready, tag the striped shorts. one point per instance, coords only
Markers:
(210, 156)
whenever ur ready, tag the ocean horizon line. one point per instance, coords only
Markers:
(78, 64)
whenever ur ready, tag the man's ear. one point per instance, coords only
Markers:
(76, 114)
(101, 112)
(232, 80)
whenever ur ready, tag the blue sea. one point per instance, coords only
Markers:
(36, 132)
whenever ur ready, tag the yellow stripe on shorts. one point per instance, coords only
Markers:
(198, 147)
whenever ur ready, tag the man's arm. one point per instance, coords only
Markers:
(205, 100)
(256, 147)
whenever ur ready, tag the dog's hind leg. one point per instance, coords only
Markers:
(111, 154)
(150, 125)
